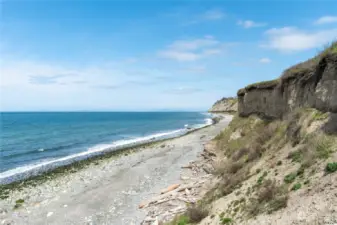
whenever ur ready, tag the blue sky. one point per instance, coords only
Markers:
(150, 55)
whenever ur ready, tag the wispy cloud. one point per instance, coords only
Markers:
(195, 69)
(40, 79)
(326, 20)
(192, 50)
(290, 39)
(214, 14)
(250, 24)
(184, 90)
(265, 60)
(209, 15)
(107, 86)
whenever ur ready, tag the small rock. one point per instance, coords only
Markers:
(65, 206)
(50, 214)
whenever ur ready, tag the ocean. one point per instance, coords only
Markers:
(33, 142)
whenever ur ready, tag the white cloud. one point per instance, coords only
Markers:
(265, 60)
(192, 50)
(250, 24)
(180, 55)
(326, 20)
(290, 39)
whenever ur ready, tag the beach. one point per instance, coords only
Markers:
(108, 191)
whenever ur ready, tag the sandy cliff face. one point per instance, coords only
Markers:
(225, 105)
(310, 84)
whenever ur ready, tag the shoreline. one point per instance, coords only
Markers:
(97, 184)
(73, 164)
(77, 165)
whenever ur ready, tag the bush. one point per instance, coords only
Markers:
(19, 201)
(296, 156)
(278, 203)
(196, 214)
(290, 178)
(331, 167)
(234, 167)
(270, 197)
(230, 183)
(267, 191)
(324, 146)
(238, 154)
(296, 187)
(180, 220)
(226, 220)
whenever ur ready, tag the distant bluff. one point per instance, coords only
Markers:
(228, 105)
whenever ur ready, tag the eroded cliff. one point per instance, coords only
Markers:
(309, 84)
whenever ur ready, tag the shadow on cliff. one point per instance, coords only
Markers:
(330, 127)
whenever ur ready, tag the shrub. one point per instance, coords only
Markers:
(324, 146)
(279, 163)
(296, 156)
(300, 171)
(238, 154)
(226, 220)
(180, 220)
(196, 213)
(260, 179)
(290, 178)
(278, 203)
(19, 201)
(229, 182)
(296, 187)
(267, 191)
(234, 167)
(270, 197)
(266, 134)
(318, 115)
(331, 167)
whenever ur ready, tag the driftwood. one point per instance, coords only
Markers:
(156, 199)
(170, 188)
(187, 167)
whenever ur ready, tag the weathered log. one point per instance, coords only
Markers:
(187, 167)
(170, 188)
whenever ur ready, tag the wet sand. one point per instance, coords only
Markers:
(109, 191)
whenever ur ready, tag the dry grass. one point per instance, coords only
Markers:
(302, 68)
(196, 213)
(270, 84)
(270, 197)
(240, 153)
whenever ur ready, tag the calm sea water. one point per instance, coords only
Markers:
(31, 141)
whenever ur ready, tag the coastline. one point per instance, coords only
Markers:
(94, 171)
(77, 161)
